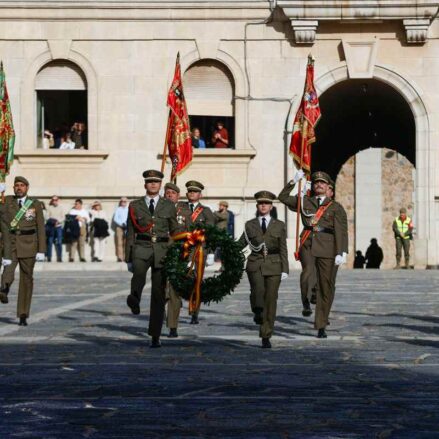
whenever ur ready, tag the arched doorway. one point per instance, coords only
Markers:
(367, 141)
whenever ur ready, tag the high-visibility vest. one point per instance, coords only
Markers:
(403, 226)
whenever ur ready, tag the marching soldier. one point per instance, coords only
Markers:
(196, 214)
(267, 264)
(324, 242)
(172, 193)
(24, 240)
(151, 222)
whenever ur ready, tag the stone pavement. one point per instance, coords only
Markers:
(83, 368)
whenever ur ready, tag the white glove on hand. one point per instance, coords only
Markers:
(299, 175)
(306, 187)
(2, 187)
(283, 276)
(130, 267)
(339, 260)
(6, 262)
(40, 257)
(210, 260)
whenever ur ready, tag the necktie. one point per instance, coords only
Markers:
(20, 204)
(151, 206)
(192, 207)
(320, 201)
(264, 225)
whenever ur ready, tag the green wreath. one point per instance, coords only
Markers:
(215, 288)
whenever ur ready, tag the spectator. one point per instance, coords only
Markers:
(403, 230)
(48, 140)
(197, 141)
(359, 260)
(231, 224)
(220, 136)
(79, 135)
(98, 232)
(83, 218)
(222, 215)
(67, 143)
(120, 219)
(374, 255)
(54, 228)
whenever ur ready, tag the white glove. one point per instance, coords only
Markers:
(299, 175)
(2, 187)
(339, 260)
(210, 260)
(130, 267)
(40, 257)
(6, 262)
(306, 187)
(283, 276)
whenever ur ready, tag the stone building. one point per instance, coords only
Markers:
(108, 64)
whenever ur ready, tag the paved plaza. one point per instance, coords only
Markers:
(83, 368)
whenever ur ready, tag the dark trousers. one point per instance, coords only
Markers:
(55, 238)
(308, 275)
(400, 245)
(158, 294)
(326, 274)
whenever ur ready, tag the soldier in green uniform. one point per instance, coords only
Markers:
(267, 264)
(195, 213)
(24, 241)
(324, 242)
(151, 222)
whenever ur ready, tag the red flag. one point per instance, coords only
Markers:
(179, 134)
(308, 111)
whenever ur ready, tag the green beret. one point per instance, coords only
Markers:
(265, 197)
(321, 176)
(19, 179)
(152, 175)
(194, 186)
(173, 187)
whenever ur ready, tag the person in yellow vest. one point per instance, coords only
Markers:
(403, 230)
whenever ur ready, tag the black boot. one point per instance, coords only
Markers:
(266, 343)
(322, 333)
(133, 303)
(258, 317)
(173, 333)
(194, 320)
(307, 311)
(155, 343)
(23, 320)
(4, 294)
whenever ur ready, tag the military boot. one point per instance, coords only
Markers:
(407, 264)
(4, 294)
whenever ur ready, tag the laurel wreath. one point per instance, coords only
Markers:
(215, 288)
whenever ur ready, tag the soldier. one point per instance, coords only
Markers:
(403, 229)
(267, 264)
(196, 214)
(24, 240)
(151, 222)
(324, 242)
(172, 193)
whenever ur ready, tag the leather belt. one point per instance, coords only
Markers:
(151, 238)
(319, 229)
(23, 232)
(269, 252)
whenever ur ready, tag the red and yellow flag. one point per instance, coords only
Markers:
(7, 133)
(179, 134)
(306, 119)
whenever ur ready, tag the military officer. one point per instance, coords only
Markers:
(267, 264)
(174, 302)
(324, 242)
(151, 222)
(24, 240)
(195, 213)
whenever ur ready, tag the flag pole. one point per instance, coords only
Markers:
(166, 142)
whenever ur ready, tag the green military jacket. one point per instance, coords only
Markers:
(164, 225)
(184, 212)
(17, 245)
(323, 245)
(275, 261)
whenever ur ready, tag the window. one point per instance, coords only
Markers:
(61, 90)
(209, 89)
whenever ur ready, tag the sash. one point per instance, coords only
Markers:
(196, 213)
(137, 226)
(19, 214)
(320, 211)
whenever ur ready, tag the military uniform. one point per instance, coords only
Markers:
(148, 238)
(265, 265)
(327, 239)
(22, 240)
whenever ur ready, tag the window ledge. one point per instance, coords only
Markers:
(219, 155)
(56, 157)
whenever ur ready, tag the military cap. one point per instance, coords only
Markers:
(152, 175)
(403, 210)
(224, 203)
(321, 176)
(173, 187)
(19, 179)
(194, 186)
(265, 197)
(331, 184)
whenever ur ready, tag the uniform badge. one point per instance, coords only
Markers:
(30, 215)
(181, 219)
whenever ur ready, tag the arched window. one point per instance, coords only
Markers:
(61, 89)
(209, 89)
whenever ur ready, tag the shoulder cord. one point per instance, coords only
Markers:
(308, 215)
(253, 248)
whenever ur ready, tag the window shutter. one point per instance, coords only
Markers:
(208, 86)
(60, 75)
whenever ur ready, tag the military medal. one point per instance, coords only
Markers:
(154, 239)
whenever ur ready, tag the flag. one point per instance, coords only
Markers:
(309, 110)
(7, 133)
(179, 134)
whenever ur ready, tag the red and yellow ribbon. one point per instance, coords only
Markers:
(194, 239)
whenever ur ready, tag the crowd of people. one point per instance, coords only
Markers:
(66, 137)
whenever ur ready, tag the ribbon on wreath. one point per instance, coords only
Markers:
(194, 239)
